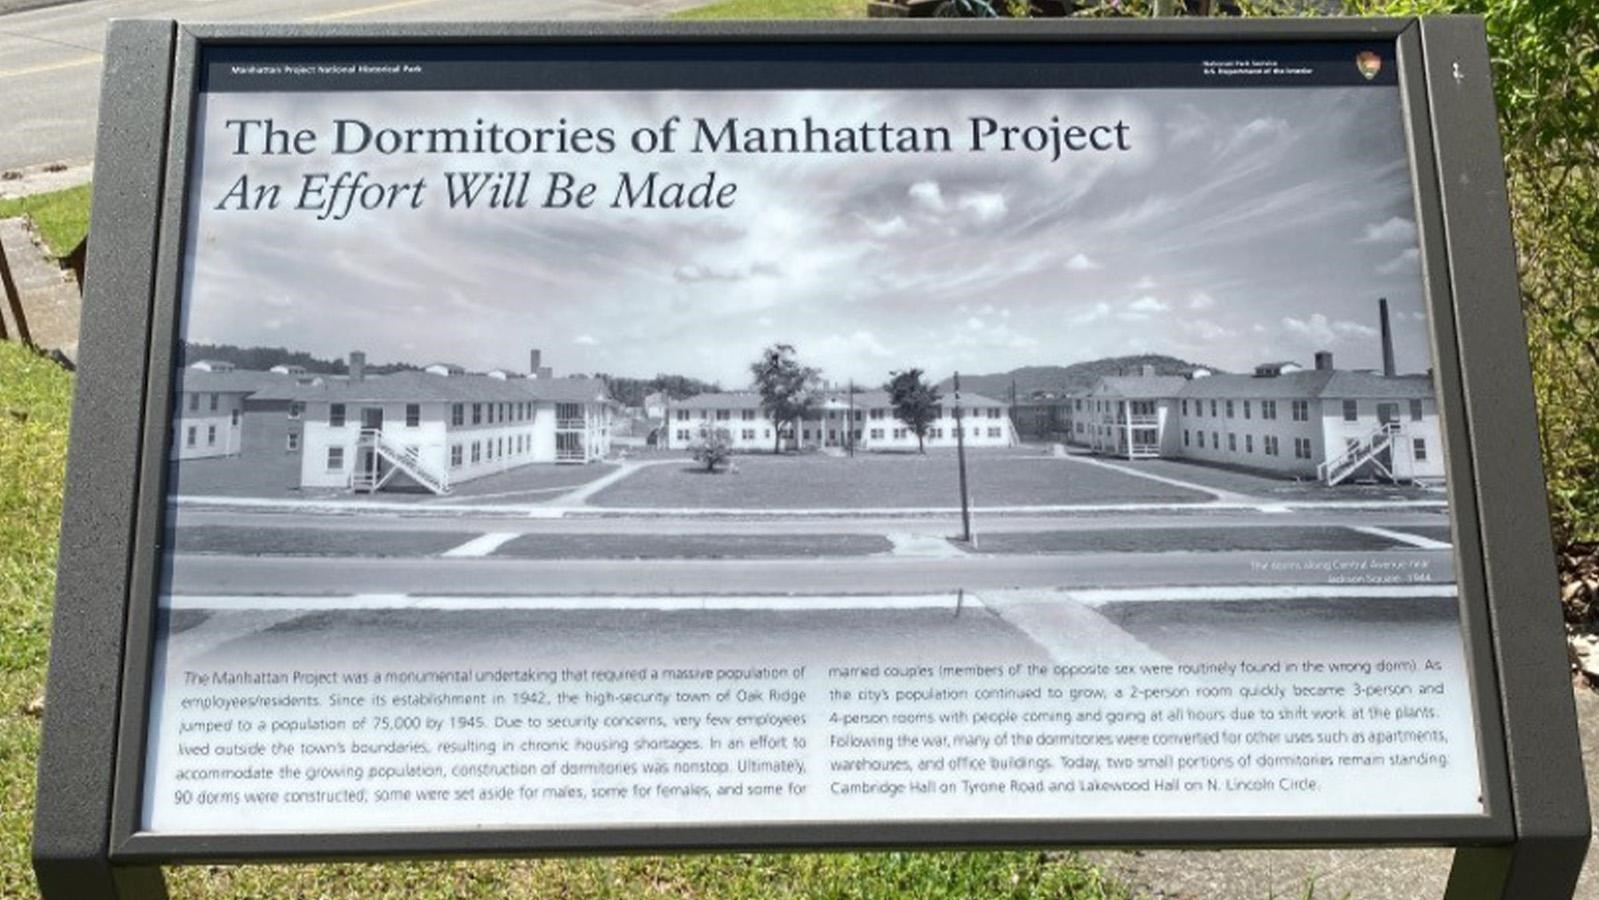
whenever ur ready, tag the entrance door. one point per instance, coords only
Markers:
(372, 417)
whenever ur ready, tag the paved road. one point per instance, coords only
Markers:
(50, 58)
(932, 524)
(302, 576)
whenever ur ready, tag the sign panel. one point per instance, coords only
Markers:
(562, 441)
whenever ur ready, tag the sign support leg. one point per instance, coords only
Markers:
(1527, 868)
(99, 881)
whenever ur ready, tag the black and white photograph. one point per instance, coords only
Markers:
(803, 455)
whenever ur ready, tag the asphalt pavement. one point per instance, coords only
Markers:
(50, 57)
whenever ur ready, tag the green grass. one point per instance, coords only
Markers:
(62, 217)
(777, 9)
(35, 397)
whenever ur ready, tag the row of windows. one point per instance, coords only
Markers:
(1269, 444)
(750, 415)
(1386, 411)
(194, 402)
(492, 449)
(485, 413)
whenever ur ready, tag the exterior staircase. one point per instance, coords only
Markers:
(401, 459)
(1368, 449)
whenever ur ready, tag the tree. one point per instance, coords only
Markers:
(714, 447)
(915, 403)
(788, 389)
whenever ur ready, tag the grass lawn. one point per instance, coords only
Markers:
(303, 542)
(35, 397)
(777, 9)
(62, 217)
(692, 546)
(1158, 540)
(886, 481)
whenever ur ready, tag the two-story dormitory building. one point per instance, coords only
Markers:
(1324, 423)
(431, 428)
(865, 418)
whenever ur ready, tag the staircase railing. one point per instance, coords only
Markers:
(406, 459)
(1337, 469)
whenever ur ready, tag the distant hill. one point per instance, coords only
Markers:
(260, 359)
(1077, 375)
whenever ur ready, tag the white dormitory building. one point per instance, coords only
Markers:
(865, 418)
(1325, 423)
(432, 428)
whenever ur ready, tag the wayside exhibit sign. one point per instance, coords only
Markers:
(597, 438)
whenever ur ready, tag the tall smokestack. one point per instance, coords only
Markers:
(1387, 338)
(357, 365)
(1324, 360)
(534, 358)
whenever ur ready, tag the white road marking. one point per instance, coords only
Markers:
(925, 546)
(1414, 540)
(556, 511)
(1102, 596)
(482, 545)
(664, 603)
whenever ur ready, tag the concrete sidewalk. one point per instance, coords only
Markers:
(1402, 874)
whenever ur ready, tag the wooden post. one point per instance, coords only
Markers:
(14, 301)
(960, 456)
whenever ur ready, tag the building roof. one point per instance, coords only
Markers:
(1335, 384)
(835, 400)
(1140, 387)
(568, 390)
(719, 400)
(232, 381)
(414, 387)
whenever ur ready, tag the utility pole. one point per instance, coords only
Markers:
(849, 424)
(960, 456)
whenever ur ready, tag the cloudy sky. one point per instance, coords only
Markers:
(1243, 226)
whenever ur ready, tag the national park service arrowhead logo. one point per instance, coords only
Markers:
(1369, 64)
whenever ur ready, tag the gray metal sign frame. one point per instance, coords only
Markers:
(1530, 842)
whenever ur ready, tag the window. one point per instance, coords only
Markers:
(1268, 409)
(457, 414)
(901, 432)
(1351, 410)
(1185, 407)
(993, 432)
(296, 409)
(748, 415)
(1213, 409)
(749, 434)
(489, 413)
(1270, 442)
(1249, 442)
(233, 418)
(1229, 409)
(1302, 448)
(682, 434)
(1201, 439)
(877, 414)
(1301, 410)
(292, 442)
(188, 439)
(1185, 434)
(1232, 443)
(1215, 440)
(722, 415)
(477, 452)
(1419, 448)
(500, 447)
(210, 435)
(335, 459)
(413, 415)
(213, 402)
(336, 415)
(194, 403)
(477, 415)
(876, 433)
(682, 415)
(1415, 410)
(455, 454)
(1246, 409)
